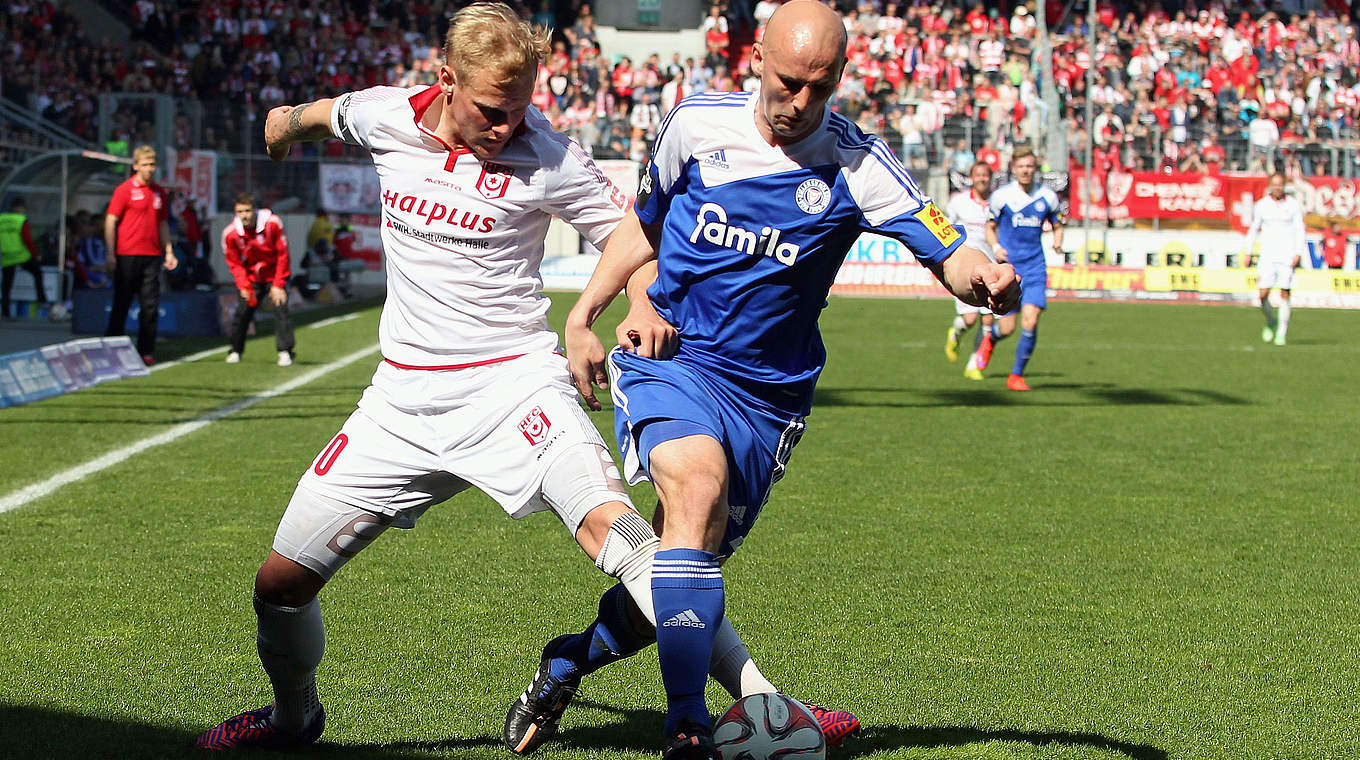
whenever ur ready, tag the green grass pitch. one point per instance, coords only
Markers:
(1154, 555)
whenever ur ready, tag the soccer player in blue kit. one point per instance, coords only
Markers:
(748, 208)
(1019, 210)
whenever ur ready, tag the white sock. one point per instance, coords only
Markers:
(972, 361)
(291, 641)
(1269, 311)
(960, 327)
(732, 666)
(1284, 318)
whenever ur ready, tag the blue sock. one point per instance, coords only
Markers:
(687, 591)
(996, 333)
(610, 638)
(1024, 350)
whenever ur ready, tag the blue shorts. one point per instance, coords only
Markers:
(675, 399)
(1033, 287)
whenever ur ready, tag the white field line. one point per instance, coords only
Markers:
(333, 321)
(190, 358)
(38, 490)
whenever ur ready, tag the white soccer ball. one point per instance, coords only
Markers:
(768, 727)
(58, 313)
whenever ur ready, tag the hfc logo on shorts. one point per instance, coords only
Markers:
(535, 426)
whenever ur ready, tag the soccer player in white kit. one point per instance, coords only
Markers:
(471, 390)
(1277, 222)
(969, 209)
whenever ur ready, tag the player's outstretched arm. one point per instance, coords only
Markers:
(643, 331)
(286, 125)
(977, 280)
(629, 247)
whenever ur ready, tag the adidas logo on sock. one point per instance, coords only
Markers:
(686, 619)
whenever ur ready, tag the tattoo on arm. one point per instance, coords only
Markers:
(295, 120)
(296, 130)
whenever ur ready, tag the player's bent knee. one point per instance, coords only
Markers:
(281, 581)
(315, 538)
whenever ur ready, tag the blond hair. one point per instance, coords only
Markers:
(1023, 151)
(490, 37)
(143, 151)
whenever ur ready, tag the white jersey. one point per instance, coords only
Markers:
(972, 213)
(1279, 227)
(464, 238)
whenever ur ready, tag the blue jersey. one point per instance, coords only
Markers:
(1020, 218)
(753, 235)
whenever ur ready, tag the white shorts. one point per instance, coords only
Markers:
(1274, 274)
(421, 436)
(962, 308)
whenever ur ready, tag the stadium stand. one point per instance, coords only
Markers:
(1177, 85)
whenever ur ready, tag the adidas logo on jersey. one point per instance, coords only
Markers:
(686, 619)
(740, 239)
(717, 159)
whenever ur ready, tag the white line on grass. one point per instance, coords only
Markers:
(333, 321)
(38, 490)
(189, 358)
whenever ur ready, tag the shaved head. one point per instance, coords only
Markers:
(799, 61)
(808, 30)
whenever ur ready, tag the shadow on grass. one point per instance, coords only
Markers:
(883, 738)
(1044, 394)
(45, 734)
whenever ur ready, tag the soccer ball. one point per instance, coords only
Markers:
(768, 727)
(58, 313)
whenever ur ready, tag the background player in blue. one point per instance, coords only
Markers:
(749, 207)
(1019, 210)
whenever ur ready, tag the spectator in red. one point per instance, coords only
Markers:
(990, 156)
(137, 231)
(256, 250)
(716, 38)
(344, 238)
(1213, 155)
(1334, 246)
(624, 80)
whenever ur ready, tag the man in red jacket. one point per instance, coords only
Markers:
(257, 254)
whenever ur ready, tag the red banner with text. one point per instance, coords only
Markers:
(1225, 198)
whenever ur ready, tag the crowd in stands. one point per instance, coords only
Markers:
(1177, 85)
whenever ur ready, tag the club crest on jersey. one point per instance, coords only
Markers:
(813, 196)
(535, 426)
(495, 180)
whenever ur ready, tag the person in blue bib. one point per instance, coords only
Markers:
(747, 210)
(1019, 210)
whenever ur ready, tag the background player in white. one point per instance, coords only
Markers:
(1277, 223)
(968, 209)
(470, 390)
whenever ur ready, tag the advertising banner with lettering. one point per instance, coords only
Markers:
(1150, 195)
(1324, 200)
(1189, 266)
(27, 378)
